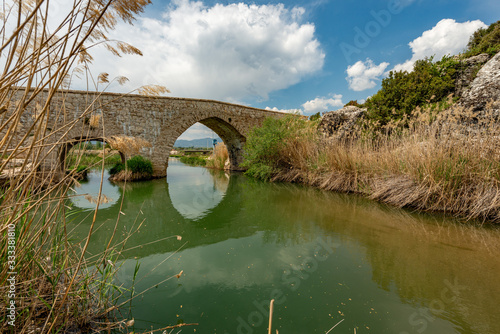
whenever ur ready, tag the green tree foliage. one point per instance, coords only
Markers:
(265, 145)
(484, 41)
(429, 81)
(403, 91)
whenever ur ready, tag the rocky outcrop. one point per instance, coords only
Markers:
(340, 123)
(469, 68)
(485, 87)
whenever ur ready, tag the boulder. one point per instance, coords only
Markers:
(340, 123)
(485, 87)
(467, 72)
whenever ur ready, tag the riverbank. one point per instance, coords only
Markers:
(219, 159)
(447, 165)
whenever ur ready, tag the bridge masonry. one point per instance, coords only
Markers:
(158, 120)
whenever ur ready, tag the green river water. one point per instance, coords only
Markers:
(324, 257)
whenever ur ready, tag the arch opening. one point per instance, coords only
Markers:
(228, 134)
(82, 150)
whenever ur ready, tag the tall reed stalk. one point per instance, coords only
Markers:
(46, 283)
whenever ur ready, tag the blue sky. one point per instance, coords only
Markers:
(295, 55)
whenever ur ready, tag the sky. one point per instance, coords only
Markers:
(306, 56)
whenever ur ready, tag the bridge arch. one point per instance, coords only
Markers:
(230, 135)
(158, 120)
(65, 148)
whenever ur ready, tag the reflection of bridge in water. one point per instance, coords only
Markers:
(166, 212)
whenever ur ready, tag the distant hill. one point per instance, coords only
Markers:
(203, 142)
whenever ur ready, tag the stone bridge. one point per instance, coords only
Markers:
(158, 120)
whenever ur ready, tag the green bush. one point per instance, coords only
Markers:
(315, 117)
(81, 169)
(403, 91)
(264, 145)
(484, 41)
(118, 167)
(139, 164)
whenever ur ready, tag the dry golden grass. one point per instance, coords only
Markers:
(129, 146)
(94, 121)
(219, 157)
(57, 288)
(446, 161)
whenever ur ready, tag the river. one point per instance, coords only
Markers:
(324, 258)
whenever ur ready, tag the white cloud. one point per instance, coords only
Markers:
(198, 131)
(321, 104)
(447, 37)
(363, 75)
(227, 52)
(287, 111)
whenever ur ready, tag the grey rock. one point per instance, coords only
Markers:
(485, 87)
(467, 72)
(340, 123)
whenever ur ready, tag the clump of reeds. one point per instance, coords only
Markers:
(47, 277)
(129, 146)
(219, 157)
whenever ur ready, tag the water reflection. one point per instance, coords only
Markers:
(84, 195)
(328, 256)
(195, 191)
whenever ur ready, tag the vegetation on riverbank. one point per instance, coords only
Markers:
(91, 160)
(216, 160)
(194, 160)
(439, 167)
(136, 168)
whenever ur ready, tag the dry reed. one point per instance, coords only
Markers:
(50, 282)
(129, 146)
(219, 157)
(447, 161)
